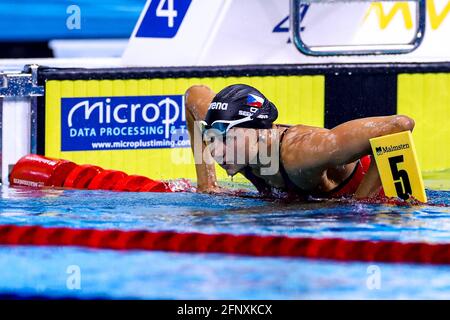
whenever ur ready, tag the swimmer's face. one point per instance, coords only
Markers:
(235, 150)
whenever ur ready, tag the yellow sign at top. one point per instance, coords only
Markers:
(396, 159)
(386, 13)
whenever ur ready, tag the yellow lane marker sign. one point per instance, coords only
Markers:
(396, 159)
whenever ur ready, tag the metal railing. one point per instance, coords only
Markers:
(366, 49)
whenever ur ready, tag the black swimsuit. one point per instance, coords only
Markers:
(289, 186)
(263, 187)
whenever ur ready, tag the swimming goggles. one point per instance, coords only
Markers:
(222, 126)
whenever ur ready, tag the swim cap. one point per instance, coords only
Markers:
(239, 101)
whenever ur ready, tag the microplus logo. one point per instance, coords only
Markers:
(382, 150)
(120, 122)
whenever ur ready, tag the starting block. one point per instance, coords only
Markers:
(397, 163)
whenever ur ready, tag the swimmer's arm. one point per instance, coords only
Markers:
(352, 137)
(197, 100)
(319, 149)
(353, 142)
(204, 164)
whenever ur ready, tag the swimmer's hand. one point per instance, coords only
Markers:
(213, 190)
(217, 190)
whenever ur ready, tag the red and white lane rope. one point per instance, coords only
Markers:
(251, 245)
(38, 171)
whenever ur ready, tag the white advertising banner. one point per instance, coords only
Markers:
(234, 32)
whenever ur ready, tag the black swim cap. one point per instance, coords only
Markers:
(239, 101)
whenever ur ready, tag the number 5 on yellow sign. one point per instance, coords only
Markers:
(396, 159)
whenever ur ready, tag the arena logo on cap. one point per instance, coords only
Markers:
(218, 106)
(254, 101)
(139, 122)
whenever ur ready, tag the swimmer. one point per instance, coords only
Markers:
(313, 161)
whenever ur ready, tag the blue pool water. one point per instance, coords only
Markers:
(136, 274)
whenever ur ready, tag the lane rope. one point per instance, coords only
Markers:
(250, 245)
(37, 171)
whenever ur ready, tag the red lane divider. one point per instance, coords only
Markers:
(106, 180)
(38, 171)
(158, 186)
(132, 183)
(81, 176)
(252, 245)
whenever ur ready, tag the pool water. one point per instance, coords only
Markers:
(47, 271)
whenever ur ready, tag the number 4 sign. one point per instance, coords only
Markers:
(397, 164)
(170, 13)
(163, 18)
